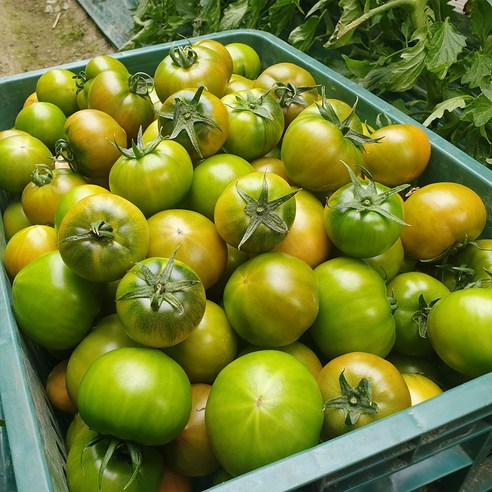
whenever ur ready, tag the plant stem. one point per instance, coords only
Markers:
(416, 7)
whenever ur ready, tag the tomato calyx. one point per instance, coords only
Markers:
(159, 288)
(99, 231)
(141, 83)
(183, 56)
(80, 80)
(115, 445)
(353, 401)
(261, 211)
(368, 198)
(420, 316)
(185, 116)
(138, 148)
(42, 175)
(253, 105)
(289, 93)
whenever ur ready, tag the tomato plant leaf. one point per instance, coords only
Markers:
(233, 15)
(479, 111)
(481, 19)
(302, 37)
(443, 47)
(406, 71)
(479, 68)
(458, 102)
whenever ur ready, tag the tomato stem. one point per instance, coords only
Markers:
(353, 401)
(261, 212)
(42, 175)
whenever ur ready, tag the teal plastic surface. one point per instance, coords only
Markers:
(448, 436)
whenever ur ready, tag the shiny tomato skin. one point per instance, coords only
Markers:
(321, 169)
(209, 68)
(138, 381)
(108, 334)
(459, 328)
(263, 406)
(441, 215)
(362, 233)
(164, 176)
(209, 348)
(307, 238)
(41, 196)
(111, 91)
(42, 120)
(400, 155)
(278, 75)
(58, 86)
(354, 313)
(388, 390)
(101, 63)
(245, 60)
(14, 219)
(41, 292)
(389, 262)
(26, 245)
(91, 135)
(19, 155)
(199, 244)
(271, 299)
(421, 387)
(72, 196)
(102, 236)
(210, 178)
(56, 389)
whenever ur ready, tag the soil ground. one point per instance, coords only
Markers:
(38, 34)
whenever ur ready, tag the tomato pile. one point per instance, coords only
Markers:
(228, 266)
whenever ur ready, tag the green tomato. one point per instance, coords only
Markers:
(459, 328)
(263, 406)
(136, 393)
(354, 311)
(52, 305)
(414, 293)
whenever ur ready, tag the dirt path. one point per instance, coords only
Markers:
(42, 33)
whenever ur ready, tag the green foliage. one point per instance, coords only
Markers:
(429, 60)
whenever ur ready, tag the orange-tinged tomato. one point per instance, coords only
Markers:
(400, 156)
(273, 165)
(198, 242)
(440, 215)
(421, 387)
(307, 238)
(191, 453)
(57, 390)
(26, 245)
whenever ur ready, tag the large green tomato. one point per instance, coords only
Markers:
(136, 393)
(263, 406)
(272, 299)
(459, 328)
(102, 236)
(52, 305)
(19, 155)
(354, 311)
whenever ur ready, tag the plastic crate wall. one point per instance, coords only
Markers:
(449, 436)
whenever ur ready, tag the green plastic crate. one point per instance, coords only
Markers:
(445, 441)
